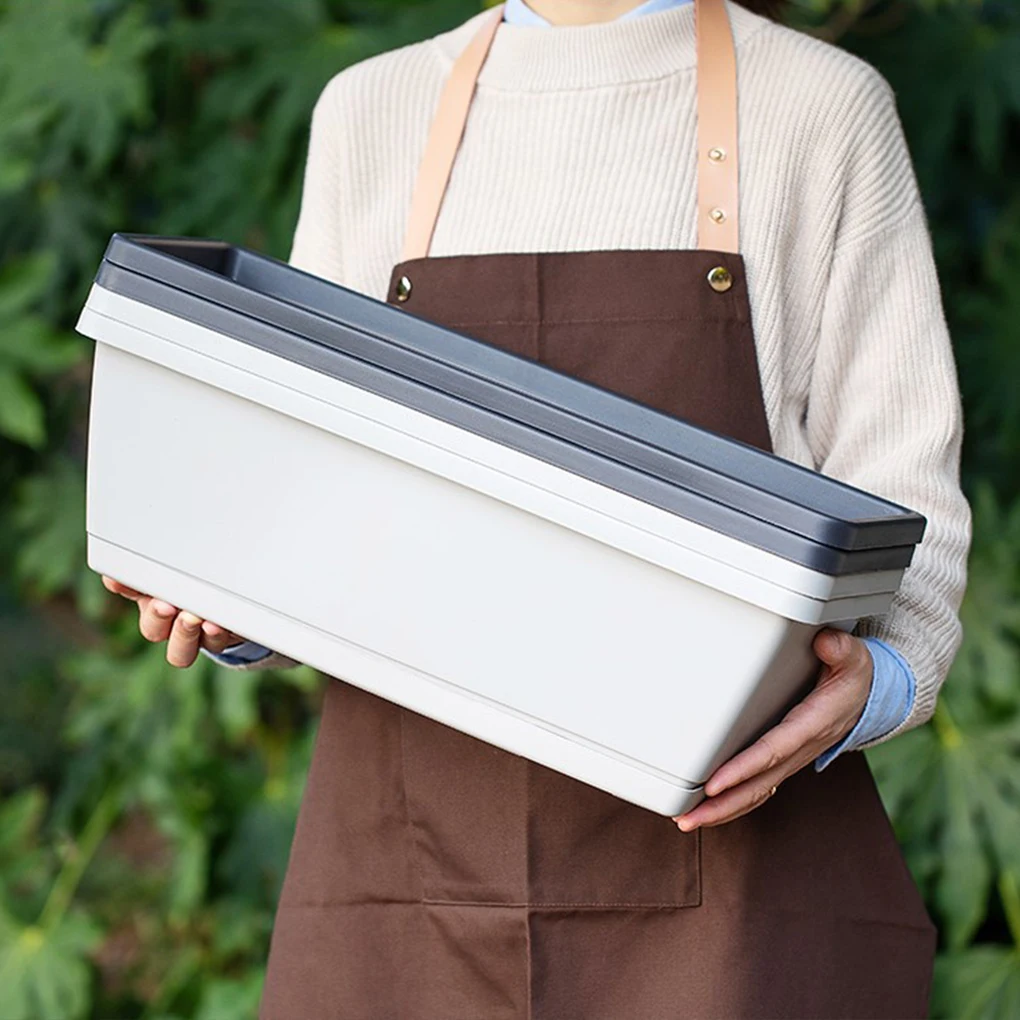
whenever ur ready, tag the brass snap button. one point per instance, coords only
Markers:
(717, 155)
(720, 279)
(718, 215)
(403, 288)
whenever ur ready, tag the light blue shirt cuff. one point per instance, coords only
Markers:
(239, 655)
(889, 701)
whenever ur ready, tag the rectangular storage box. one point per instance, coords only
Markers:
(550, 567)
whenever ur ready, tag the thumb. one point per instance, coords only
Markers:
(833, 647)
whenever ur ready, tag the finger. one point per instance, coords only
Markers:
(121, 589)
(213, 630)
(732, 804)
(154, 621)
(803, 724)
(164, 608)
(835, 647)
(742, 799)
(185, 635)
(216, 638)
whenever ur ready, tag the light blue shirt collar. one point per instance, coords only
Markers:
(517, 12)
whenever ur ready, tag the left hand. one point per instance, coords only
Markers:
(812, 726)
(183, 632)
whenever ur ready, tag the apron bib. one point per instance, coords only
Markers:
(437, 877)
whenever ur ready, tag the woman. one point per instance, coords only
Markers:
(582, 206)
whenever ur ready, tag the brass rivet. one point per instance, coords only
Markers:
(720, 279)
(716, 155)
(403, 288)
(718, 216)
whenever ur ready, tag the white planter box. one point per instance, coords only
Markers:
(538, 599)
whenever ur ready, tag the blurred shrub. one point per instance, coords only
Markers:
(146, 812)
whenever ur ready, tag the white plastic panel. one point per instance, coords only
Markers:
(430, 592)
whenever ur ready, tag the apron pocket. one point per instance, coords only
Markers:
(488, 826)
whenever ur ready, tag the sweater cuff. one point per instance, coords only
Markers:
(890, 700)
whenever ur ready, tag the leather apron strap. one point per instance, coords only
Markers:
(717, 133)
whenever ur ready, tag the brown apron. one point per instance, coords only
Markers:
(436, 877)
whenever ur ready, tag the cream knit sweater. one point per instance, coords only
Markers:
(583, 138)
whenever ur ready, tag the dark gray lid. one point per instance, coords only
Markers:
(733, 488)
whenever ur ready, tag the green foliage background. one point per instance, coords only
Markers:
(146, 812)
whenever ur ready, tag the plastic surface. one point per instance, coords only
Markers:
(433, 445)
(505, 595)
(734, 489)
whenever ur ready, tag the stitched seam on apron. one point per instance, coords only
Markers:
(699, 874)
(567, 905)
(591, 907)
(535, 907)
(412, 830)
(527, 961)
(847, 919)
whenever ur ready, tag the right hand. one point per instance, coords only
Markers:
(184, 632)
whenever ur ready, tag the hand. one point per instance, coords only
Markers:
(184, 632)
(812, 726)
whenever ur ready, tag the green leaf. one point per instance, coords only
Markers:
(21, 411)
(33, 346)
(190, 873)
(91, 88)
(955, 788)
(45, 974)
(15, 172)
(236, 702)
(256, 858)
(231, 999)
(962, 891)
(239, 926)
(253, 862)
(904, 768)
(23, 283)
(20, 815)
(982, 983)
(91, 597)
(50, 518)
(989, 660)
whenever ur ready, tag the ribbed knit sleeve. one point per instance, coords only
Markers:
(316, 244)
(884, 408)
